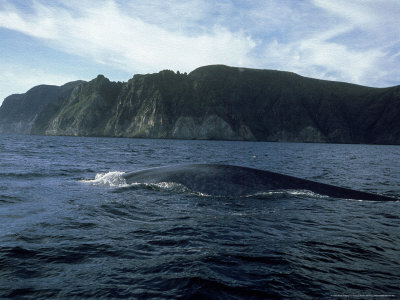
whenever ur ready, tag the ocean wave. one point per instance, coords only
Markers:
(9, 199)
(27, 175)
(112, 179)
(116, 179)
(284, 194)
(170, 187)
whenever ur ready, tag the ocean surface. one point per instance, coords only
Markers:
(71, 228)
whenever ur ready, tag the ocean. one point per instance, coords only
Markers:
(72, 228)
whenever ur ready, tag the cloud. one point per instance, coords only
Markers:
(317, 56)
(356, 41)
(369, 14)
(111, 36)
(367, 51)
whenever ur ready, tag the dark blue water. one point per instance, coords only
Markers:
(65, 233)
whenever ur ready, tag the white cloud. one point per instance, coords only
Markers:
(110, 36)
(369, 14)
(317, 57)
(356, 41)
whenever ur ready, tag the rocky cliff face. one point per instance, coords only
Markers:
(210, 127)
(18, 112)
(84, 113)
(220, 102)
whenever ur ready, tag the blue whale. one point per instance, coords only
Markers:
(228, 180)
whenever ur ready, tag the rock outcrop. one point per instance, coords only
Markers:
(18, 112)
(212, 102)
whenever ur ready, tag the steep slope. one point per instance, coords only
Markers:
(19, 111)
(282, 106)
(221, 102)
(84, 113)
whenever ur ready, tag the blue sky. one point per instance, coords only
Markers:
(54, 42)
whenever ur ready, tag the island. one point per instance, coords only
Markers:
(214, 102)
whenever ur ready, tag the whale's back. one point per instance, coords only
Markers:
(228, 180)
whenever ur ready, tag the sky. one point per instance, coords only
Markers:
(54, 42)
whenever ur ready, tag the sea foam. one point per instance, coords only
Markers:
(112, 179)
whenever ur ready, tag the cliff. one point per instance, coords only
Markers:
(84, 113)
(220, 102)
(19, 111)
